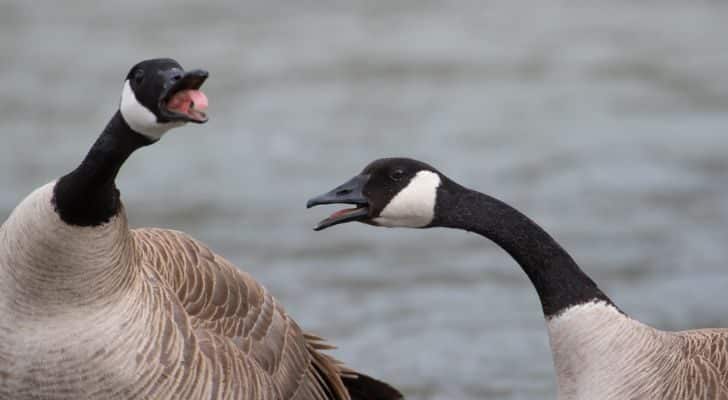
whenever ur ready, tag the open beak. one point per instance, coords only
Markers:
(349, 193)
(183, 100)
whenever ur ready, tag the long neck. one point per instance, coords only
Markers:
(559, 281)
(88, 196)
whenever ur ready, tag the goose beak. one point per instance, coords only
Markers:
(182, 100)
(351, 192)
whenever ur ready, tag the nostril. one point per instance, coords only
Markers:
(176, 77)
(343, 192)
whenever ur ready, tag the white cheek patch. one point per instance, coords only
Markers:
(139, 118)
(413, 206)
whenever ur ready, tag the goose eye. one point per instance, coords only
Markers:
(396, 175)
(139, 77)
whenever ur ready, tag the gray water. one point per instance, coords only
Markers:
(606, 122)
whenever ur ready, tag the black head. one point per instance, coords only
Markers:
(388, 192)
(159, 95)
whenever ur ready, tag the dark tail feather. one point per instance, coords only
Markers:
(362, 387)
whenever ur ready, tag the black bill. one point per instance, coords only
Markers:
(349, 193)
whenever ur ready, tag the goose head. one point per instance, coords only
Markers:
(389, 192)
(159, 95)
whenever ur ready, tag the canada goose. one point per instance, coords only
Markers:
(90, 309)
(598, 351)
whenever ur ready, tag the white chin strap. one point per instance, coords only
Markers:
(413, 206)
(139, 118)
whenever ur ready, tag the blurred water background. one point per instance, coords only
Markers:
(606, 122)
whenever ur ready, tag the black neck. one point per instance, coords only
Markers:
(88, 196)
(558, 280)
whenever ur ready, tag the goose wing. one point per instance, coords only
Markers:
(711, 345)
(699, 378)
(231, 313)
(705, 367)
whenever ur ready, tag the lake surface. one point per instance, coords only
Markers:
(605, 122)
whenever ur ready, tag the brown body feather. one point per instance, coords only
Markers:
(110, 313)
(600, 353)
(238, 323)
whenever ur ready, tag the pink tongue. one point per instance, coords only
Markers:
(199, 98)
(182, 101)
(342, 212)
